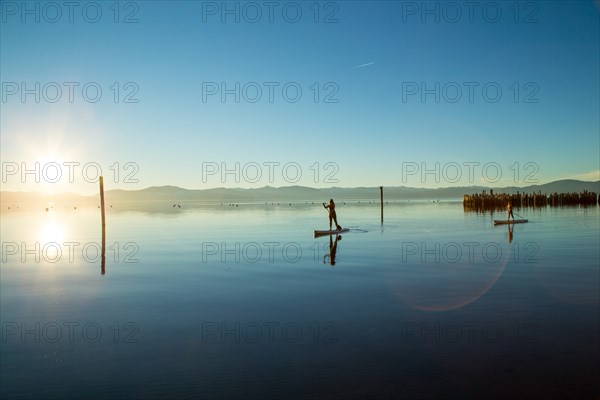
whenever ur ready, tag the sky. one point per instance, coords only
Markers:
(203, 94)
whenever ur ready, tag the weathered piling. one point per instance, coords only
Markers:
(499, 201)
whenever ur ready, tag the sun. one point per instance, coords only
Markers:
(53, 160)
(53, 172)
(48, 161)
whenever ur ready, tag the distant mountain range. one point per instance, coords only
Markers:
(176, 194)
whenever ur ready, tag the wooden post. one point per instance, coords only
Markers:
(103, 271)
(381, 200)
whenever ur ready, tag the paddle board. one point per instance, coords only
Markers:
(330, 232)
(505, 222)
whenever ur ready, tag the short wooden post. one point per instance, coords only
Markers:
(381, 201)
(103, 226)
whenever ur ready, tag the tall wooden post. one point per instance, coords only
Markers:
(103, 266)
(381, 201)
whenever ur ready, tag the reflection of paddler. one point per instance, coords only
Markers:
(510, 232)
(332, 250)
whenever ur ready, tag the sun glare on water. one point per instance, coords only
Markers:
(51, 232)
(51, 237)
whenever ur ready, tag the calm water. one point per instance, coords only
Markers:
(230, 302)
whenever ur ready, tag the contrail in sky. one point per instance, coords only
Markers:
(362, 65)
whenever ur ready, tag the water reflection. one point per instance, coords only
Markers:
(432, 269)
(103, 257)
(332, 250)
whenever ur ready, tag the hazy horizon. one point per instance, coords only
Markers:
(126, 189)
(307, 187)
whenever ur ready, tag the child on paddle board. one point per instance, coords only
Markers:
(510, 213)
(332, 216)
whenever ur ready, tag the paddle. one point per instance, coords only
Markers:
(520, 216)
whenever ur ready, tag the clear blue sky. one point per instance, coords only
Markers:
(372, 56)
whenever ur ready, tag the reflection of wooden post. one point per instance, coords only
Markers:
(103, 225)
(381, 200)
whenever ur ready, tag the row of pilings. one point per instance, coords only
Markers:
(499, 201)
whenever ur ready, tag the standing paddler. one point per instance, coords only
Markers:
(332, 216)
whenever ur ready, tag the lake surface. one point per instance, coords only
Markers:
(230, 302)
